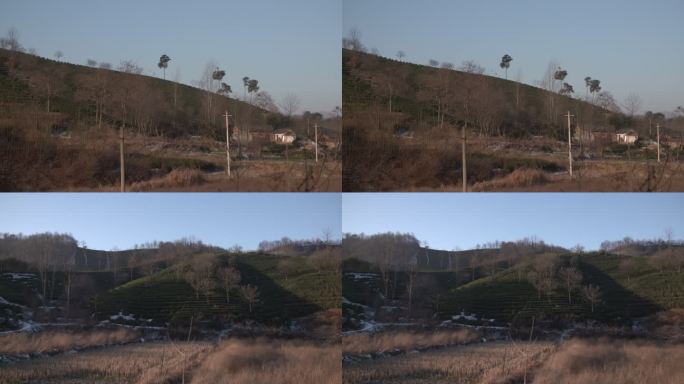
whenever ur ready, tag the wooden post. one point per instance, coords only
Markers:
(121, 158)
(463, 159)
(658, 135)
(569, 146)
(316, 138)
(228, 144)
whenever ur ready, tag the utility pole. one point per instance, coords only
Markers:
(227, 144)
(463, 159)
(316, 139)
(121, 158)
(569, 143)
(658, 136)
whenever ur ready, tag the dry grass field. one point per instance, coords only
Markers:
(263, 361)
(232, 361)
(627, 362)
(362, 342)
(524, 157)
(19, 343)
(88, 161)
(497, 362)
(573, 362)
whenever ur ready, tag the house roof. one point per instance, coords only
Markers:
(284, 131)
(628, 132)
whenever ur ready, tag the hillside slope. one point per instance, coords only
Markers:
(77, 94)
(420, 93)
(625, 293)
(289, 287)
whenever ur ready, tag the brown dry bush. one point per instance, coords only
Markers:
(674, 316)
(580, 361)
(181, 177)
(268, 361)
(522, 177)
(20, 343)
(365, 343)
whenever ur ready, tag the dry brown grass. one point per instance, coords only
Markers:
(247, 176)
(522, 177)
(267, 361)
(674, 316)
(386, 341)
(477, 363)
(626, 362)
(177, 178)
(150, 363)
(20, 343)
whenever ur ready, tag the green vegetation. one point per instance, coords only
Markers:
(288, 287)
(626, 293)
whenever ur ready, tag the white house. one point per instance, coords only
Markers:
(284, 136)
(626, 137)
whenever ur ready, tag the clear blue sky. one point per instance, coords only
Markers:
(289, 46)
(631, 46)
(106, 220)
(448, 220)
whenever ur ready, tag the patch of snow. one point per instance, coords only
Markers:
(23, 327)
(349, 302)
(6, 302)
(463, 316)
(121, 316)
(19, 276)
(361, 275)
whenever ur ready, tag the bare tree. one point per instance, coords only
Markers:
(471, 66)
(632, 104)
(11, 42)
(628, 266)
(91, 63)
(593, 294)
(128, 66)
(353, 41)
(69, 265)
(290, 104)
(199, 277)
(572, 278)
(412, 272)
(264, 101)
(58, 55)
(230, 279)
(250, 294)
(400, 55)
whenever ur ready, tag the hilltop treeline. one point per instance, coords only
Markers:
(404, 251)
(62, 252)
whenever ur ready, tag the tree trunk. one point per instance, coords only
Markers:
(463, 158)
